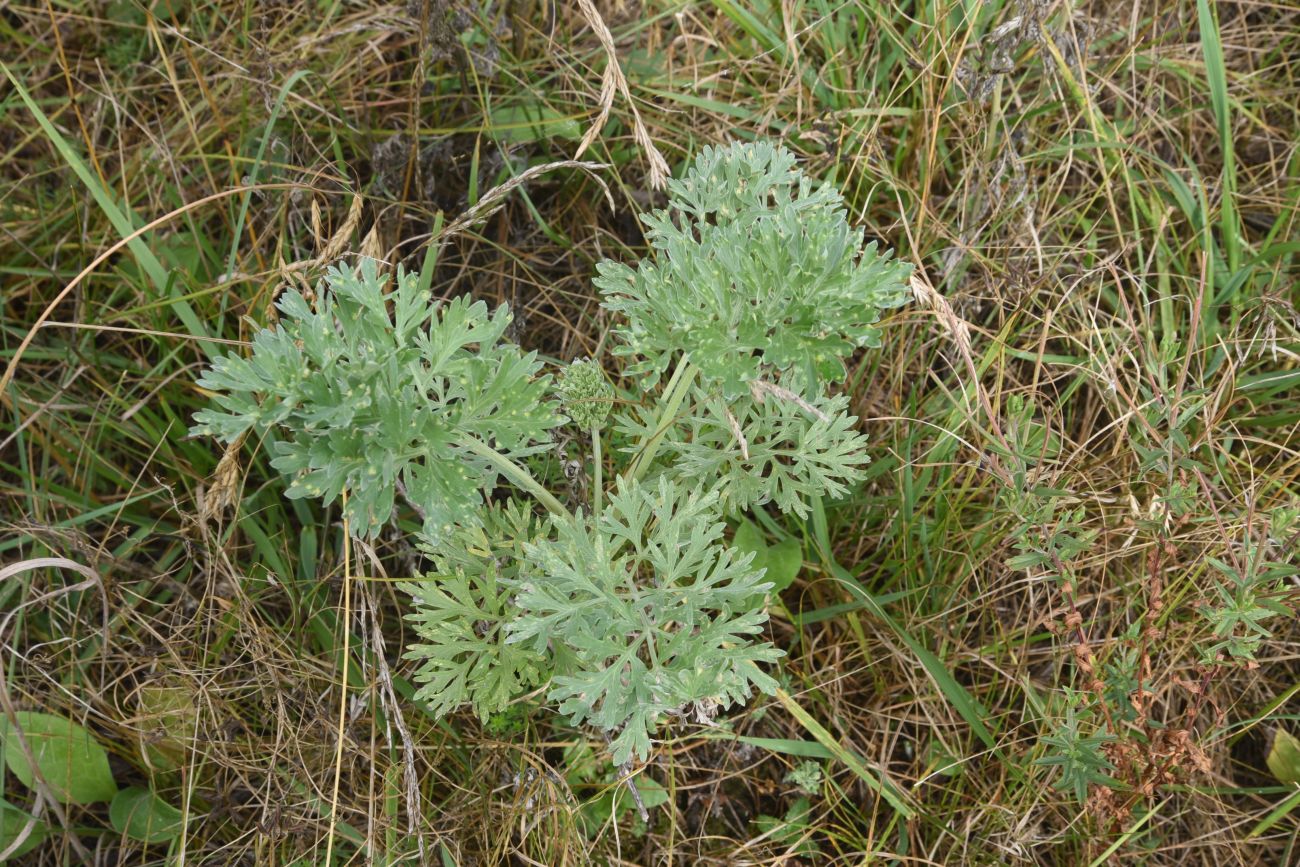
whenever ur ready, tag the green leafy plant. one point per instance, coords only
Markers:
(807, 777)
(794, 830)
(1115, 745)
(461, 613)
(142, 815)
(385, 392)
(654, 610)
(1077, 755)
(1249, 595)
(632, 609)
(1284, 757)
(71, 763)
(780, 562)
(755, 269)
(14, 824)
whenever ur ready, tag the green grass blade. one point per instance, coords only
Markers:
(957, 695)
(1217, 75)
(880, 784)
(122, 221)
(257, 165)
(1122, 839)
(1280, 812)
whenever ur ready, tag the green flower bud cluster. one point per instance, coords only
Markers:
(585, 394)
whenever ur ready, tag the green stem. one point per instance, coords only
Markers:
(599, 471)
(675, 392)
(516, 474)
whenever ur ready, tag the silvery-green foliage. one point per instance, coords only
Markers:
(585, 395)
(807, 777)
(781, 449)
(371, 389)
(756, 291)
(754, 269)
(462, 609)
(657, 612)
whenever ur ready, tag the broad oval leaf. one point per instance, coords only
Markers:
(781, 562)
(70, 760)
(784, 561)
(748, 539)
(141, 815)
(168, 706)
(1284, 758)
(652, 792)
(12, 823)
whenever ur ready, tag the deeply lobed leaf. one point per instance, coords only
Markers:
(783, 450)
(460, 616)
(754, 269)
(654, 609)
(376, 392)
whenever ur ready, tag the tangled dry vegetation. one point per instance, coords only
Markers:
(1101, 202)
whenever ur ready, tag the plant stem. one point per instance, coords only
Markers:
(346, 620)
(675, 392)
(598, 481)
(516, 474)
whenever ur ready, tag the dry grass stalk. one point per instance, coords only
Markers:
(223, 492)
(338, 242)
(613, 81)
(494, 199)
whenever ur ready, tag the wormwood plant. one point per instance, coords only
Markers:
(634, 608)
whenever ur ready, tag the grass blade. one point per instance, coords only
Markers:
(957, 695)
(881, 784)
(1217, 75)
(122, 221)
(1280, 812)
